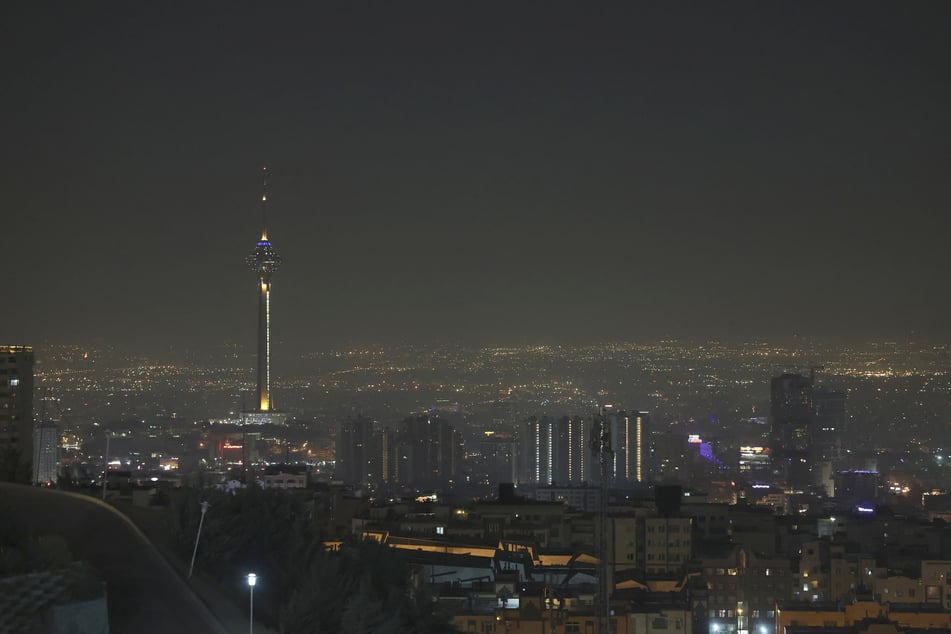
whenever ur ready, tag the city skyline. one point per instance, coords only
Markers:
(479, 174)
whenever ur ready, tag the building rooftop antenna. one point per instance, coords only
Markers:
(264, 202)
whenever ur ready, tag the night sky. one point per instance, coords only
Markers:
(476, 172)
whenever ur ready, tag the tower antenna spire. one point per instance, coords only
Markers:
(264, 261)
(264, 202)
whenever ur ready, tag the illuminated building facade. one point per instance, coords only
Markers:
(631, 442)
(536, 450)
(574, 463)
(754, 461)
(16, 412)
(264, 261)
(555, 451)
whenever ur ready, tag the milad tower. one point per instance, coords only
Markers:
(264, 261)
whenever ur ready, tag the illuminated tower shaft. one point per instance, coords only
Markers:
(264, 261)
(264, 345)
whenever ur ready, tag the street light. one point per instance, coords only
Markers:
(204, 509)
(252, 579)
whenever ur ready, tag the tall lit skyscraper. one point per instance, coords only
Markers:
(264, 261)
(16, 412)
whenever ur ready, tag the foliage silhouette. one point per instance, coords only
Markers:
(363, 587)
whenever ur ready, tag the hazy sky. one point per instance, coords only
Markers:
(476, 171)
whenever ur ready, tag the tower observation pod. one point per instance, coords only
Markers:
(264, 261)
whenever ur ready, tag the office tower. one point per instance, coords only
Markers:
(45, 453)
(791, 414)
(631, 443)
(264, 261)
(16, 412)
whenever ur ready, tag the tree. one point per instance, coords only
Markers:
(363, 587)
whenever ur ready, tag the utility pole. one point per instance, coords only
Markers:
(105, 468)
(550, 595)
(204, 509)
(601, 443)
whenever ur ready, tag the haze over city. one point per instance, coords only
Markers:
(523, 317)
(493, 173)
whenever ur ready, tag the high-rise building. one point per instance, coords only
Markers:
(16, 412)
(830, 424)
(577, 463)
(808, 423)
(671, 457)
(264, 261)
(536, 438)
(354, 456)
(830, 417)
(791, 418)
(383, 459)
(426, 452)
(498, 452)
(555, 451)
(631, 443)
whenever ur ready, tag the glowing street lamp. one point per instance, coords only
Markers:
(252, 579)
